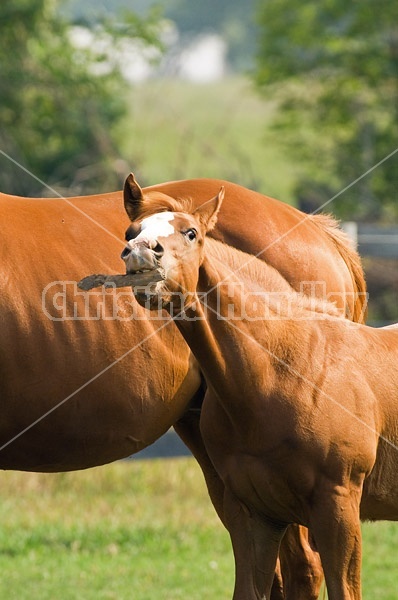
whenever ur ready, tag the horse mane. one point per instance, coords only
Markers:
(258, 276)
(330, 226)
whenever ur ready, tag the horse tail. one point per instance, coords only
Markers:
(351, 258)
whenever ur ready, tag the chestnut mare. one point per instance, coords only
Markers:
(300, 416)
(81, 386)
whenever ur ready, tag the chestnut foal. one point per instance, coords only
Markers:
(300, 417)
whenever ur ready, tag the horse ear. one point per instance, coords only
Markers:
(207, 213)
(133, 197)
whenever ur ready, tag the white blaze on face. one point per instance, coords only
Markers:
(156, 226)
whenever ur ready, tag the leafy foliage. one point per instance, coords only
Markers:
(334, 68)
(58, 114)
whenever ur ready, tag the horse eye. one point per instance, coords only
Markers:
(191, 234)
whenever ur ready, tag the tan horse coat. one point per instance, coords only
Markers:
(301, 414)
(79, 392)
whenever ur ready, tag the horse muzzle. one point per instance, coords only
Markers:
(139, 256)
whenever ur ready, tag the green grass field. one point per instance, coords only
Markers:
(138, 529)
(177, 130)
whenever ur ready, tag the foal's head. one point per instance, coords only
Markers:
(164, 233)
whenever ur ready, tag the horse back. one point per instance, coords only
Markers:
(309, 252)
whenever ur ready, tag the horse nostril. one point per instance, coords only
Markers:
(158, 249)
(126, 252)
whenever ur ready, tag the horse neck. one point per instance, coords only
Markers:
(221, 340)
(264, 334)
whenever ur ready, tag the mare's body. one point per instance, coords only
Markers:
(46, 358)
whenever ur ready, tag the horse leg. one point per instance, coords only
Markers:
(300, 564)
(277, 590)
(255, 542)
(336, 527)
(189, 431)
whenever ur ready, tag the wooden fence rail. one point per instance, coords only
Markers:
(373, 240)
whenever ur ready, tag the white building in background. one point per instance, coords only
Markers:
(202, 60)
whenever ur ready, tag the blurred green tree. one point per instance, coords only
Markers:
(333, 66)
(60, 103)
